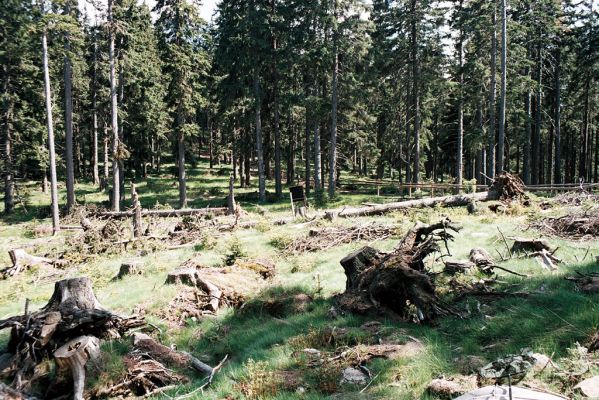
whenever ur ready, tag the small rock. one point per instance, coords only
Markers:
(333, 314)
(541, 361)
(353, 376)
(589, 387)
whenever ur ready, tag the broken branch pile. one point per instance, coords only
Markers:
(329, 237)
(581, 225)
(397, 281)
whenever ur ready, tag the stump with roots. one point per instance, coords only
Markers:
(72, 311)
(397, 282)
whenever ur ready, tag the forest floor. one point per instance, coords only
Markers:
(266, 347)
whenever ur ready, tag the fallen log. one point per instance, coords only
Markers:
(217, 211)
(506, 187)
(397, 281)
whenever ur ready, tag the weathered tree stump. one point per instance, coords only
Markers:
(525, 245)
(73, 356)
(72, 311)
(191, 276)
(130, 268)
(397, 281)
(482, 259)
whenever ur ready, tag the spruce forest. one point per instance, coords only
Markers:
(299, 199)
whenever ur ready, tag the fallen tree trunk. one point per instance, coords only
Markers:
(397, 281)
(506, 187)
(164, 213)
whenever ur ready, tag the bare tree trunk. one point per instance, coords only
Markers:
(582, 172)
(415, 93)
(121, 99)
(333, 143)
(68, 123)
(536, 153)
(277, 129)
(492, 100)
(7, 153)
(95, 169)
(50, 126)
(459, 155)
(501, 137)
(317, 160)
(307, 152)
(558, 117)
(528, 123)
(259, 144)
(181, 160)
(116, 181)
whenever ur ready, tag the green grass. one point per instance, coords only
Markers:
(551, 320)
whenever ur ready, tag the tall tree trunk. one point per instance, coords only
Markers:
(528, 127)
(307, 152)
(275, 89)
(95, 170)
(536, 153)
(116, 181)
(333, 143)
(9, 203)
(501, 137)
(557, 174)
(259, 144)
(459, 155)
(415, 92)
(582, 163)
(121, 100)
(492, 100)
(317, 160)
(68, 120)
(181, 159)
(50, 126)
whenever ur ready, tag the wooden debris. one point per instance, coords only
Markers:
(73, 356)
(8, 393)
(397, 281)
(485, 263)
(329, 237)
(525, 245)
(587, 283)
(171, 213)
(72, 311)
(579, 225)
(453, 267)
(22, 261)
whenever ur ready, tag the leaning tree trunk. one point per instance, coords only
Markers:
(50, 126)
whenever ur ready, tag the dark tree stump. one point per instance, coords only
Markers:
(524, 245)
(397, 281)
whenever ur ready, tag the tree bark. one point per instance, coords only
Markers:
(116, 181)
(68, 120)
(501, 137)
(317, 159)
(7, 153)
(459, 155)
(528, 115)
(415, 92)
(307, 150)
(50, 127)
(333, 143)
(536, 159)
(259, 144)
(181, 160)
(492, 100)
(95, 169)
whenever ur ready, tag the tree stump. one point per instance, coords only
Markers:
(73, 356)
(130, 268)
(397, 281)
(523, 245)
(192, 277)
